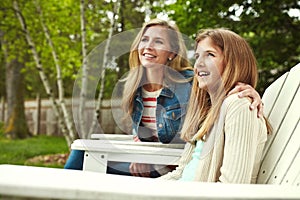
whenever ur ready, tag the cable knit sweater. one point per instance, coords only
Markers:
(233, 150)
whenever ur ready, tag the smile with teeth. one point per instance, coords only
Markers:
(201, 73)
(148, 55)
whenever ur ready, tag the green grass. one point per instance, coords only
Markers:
(20, 150)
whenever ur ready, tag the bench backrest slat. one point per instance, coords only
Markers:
(281, 154)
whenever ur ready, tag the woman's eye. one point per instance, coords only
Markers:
(144, 40)
(158, 42)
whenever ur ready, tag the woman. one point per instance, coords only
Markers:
(156, 93)
(226, 140)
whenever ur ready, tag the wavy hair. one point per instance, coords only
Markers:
(240, 65)
(136, 73)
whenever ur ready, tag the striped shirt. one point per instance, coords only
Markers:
(149, 112)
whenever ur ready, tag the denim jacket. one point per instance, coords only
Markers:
(170, 111)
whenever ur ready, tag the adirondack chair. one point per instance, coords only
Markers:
(281, 160)
(279, 176)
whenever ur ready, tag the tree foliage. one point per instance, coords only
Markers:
(270, 27)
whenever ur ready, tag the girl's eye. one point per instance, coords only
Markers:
(211, 54)
(144, 40)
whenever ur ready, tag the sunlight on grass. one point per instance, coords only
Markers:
(19, 151)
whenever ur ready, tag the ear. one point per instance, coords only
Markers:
(171, 56)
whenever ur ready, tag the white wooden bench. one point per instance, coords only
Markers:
(17, 182)
(279, 176)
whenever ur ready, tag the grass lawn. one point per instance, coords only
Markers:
(49, 151)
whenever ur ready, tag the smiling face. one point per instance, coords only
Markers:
(209, 64)
(154, 48)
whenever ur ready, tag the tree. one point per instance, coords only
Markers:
(16, 125)
(268, 26)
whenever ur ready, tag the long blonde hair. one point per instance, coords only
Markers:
(239, 66)
(136, 73)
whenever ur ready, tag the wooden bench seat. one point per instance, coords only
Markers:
(17, 182)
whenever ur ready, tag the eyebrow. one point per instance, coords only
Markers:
(154, 37)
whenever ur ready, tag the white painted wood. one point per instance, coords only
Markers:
(95, 161)
(126, 151)
(127, 146)
(271, 94)
(50, 183)
(280, 103)
(292, 176)
(283, 113)
(119, 137)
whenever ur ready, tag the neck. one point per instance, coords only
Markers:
(152, 87)
(154, 79)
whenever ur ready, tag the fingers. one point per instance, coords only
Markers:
(260, 109)
(239, 87)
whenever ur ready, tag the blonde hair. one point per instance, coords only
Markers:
(136, 73)
(239, 66)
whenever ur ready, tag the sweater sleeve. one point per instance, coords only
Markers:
(184, 160)
(241, 136)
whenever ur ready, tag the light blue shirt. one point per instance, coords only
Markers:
(189, 171)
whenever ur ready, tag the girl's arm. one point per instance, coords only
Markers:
(243, 131)
(184, 160)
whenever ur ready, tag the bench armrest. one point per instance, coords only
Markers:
(120, 137)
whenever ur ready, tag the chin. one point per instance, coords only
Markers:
(201, 84)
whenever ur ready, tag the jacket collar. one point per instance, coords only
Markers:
(167, 91)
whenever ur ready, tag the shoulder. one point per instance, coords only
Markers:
(235, 106)
(234, 101)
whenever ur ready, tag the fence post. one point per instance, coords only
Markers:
(3, 109)
(38, 115)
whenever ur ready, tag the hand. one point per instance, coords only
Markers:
(140, 169)
(246, 90)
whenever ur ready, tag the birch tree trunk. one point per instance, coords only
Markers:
(42, 73)
(97, 114)
(82, 98)
(61, 103)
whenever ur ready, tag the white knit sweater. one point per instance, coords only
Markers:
(233, 150)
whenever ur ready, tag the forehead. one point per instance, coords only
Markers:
(207, 44)
(157, 31)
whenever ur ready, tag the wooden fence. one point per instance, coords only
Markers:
(42, 120)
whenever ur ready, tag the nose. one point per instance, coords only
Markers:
(149, 45)
(198, 62)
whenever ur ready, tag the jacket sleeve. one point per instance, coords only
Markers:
(183, 161)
